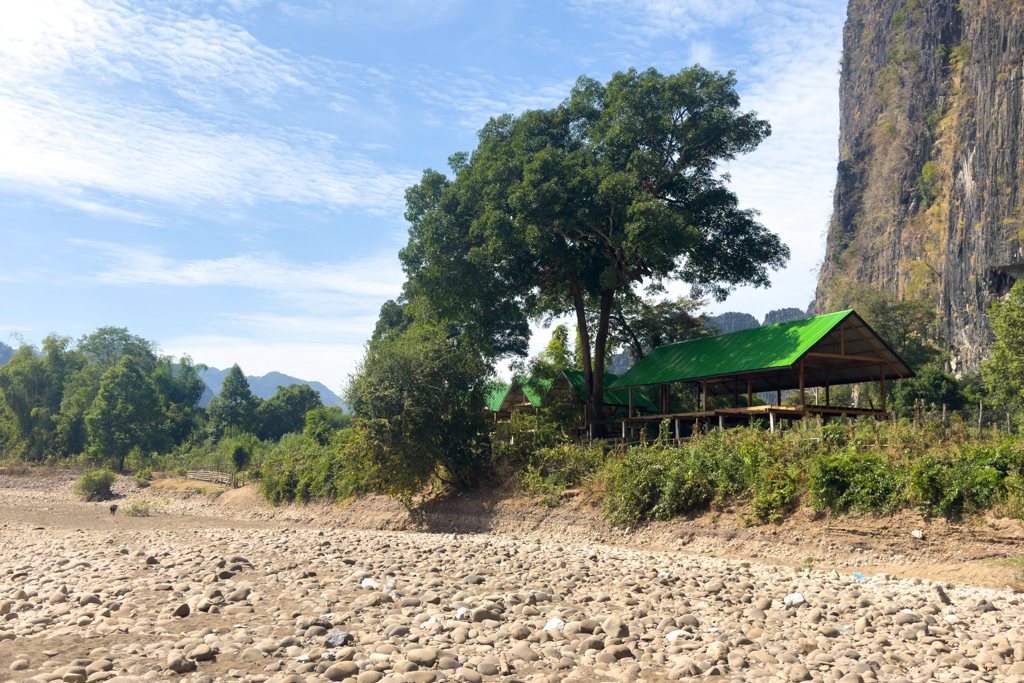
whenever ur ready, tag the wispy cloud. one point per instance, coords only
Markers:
(85, 115)
(376, 278)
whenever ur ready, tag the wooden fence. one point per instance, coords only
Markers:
(222, 478)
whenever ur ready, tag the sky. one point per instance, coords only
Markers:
(227, 177)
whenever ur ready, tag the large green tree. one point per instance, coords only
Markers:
(108, 345)
(639, 325)
(285, 411)
(235, 406)
(418, 397)
(571, 209)
(1004, 373)
(125, 414)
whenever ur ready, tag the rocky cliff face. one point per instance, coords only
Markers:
(930, 186)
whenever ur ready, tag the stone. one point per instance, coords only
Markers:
(341, 671)
(18, 665)
(480, 614)
(201, 653)
(799, 673)
(424, 656)
(182, 610)
(180, 665)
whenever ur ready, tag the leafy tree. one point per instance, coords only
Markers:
(240, 457)
(125, 414)
(234, 406)
(179, 382)
(932, 386)
(570, 209)
(324, 422)
(419, 401)
(1004, 373)
(639, 325)
(285, 411)
(108, 345)
(32, 388)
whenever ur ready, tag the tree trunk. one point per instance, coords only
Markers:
(581, 325)
(596, 396)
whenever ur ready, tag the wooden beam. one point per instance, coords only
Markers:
(881, 382)
(869, 359)
(750, 391)
(704, 396)
(803, 399)
(876, 350)
(827, 403)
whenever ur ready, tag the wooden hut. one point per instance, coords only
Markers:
(824, 351)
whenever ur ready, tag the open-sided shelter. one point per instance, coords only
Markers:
(824, 351)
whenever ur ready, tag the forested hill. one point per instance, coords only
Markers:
(929, 200)
(264, 386)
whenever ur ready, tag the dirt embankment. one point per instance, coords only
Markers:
(974, 551)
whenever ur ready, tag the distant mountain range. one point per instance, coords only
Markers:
(264, 387)
(734, 322)
(6, 352)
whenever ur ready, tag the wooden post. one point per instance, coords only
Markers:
(881, 382)
(624, 430)
(677, 430)
(828, 403)
(943, 414)
(803, 398)
(778, 397)
(630, 401)
(704, 396)
(750, 391)
(721, 422)
(981, 412)
(771, 420)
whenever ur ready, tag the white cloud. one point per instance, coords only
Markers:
(643, 20)
(197, 58)
(371, 279)
(76, 124)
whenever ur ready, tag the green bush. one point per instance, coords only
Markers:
(863, 482)
(95, 485)
(928, 182)
(774, 490)
(970, 480)
(137, 508)
(553, 470)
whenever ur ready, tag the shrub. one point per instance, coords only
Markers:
(970, 480)
(95, 485)
(852, 481)
(137, 508)
(774, 490)
(142, 478)
(928, 182)
(553, 470)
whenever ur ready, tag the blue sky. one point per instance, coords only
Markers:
(227, 176)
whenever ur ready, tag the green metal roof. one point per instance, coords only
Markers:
(494, 395)
(534, 389)
(611, 398)
(762, 349)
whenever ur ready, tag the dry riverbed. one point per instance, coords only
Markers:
(202, 592)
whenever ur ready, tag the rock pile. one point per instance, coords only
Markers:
(277, 605)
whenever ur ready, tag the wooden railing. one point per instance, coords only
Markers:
(222, 478)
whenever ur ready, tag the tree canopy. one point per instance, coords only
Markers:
(126, 413)
(1004, 373)
(571, 209)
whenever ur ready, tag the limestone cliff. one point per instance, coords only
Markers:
(930, 181)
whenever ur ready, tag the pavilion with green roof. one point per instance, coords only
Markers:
(824, 351)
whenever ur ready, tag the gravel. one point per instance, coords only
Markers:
(281, 605)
